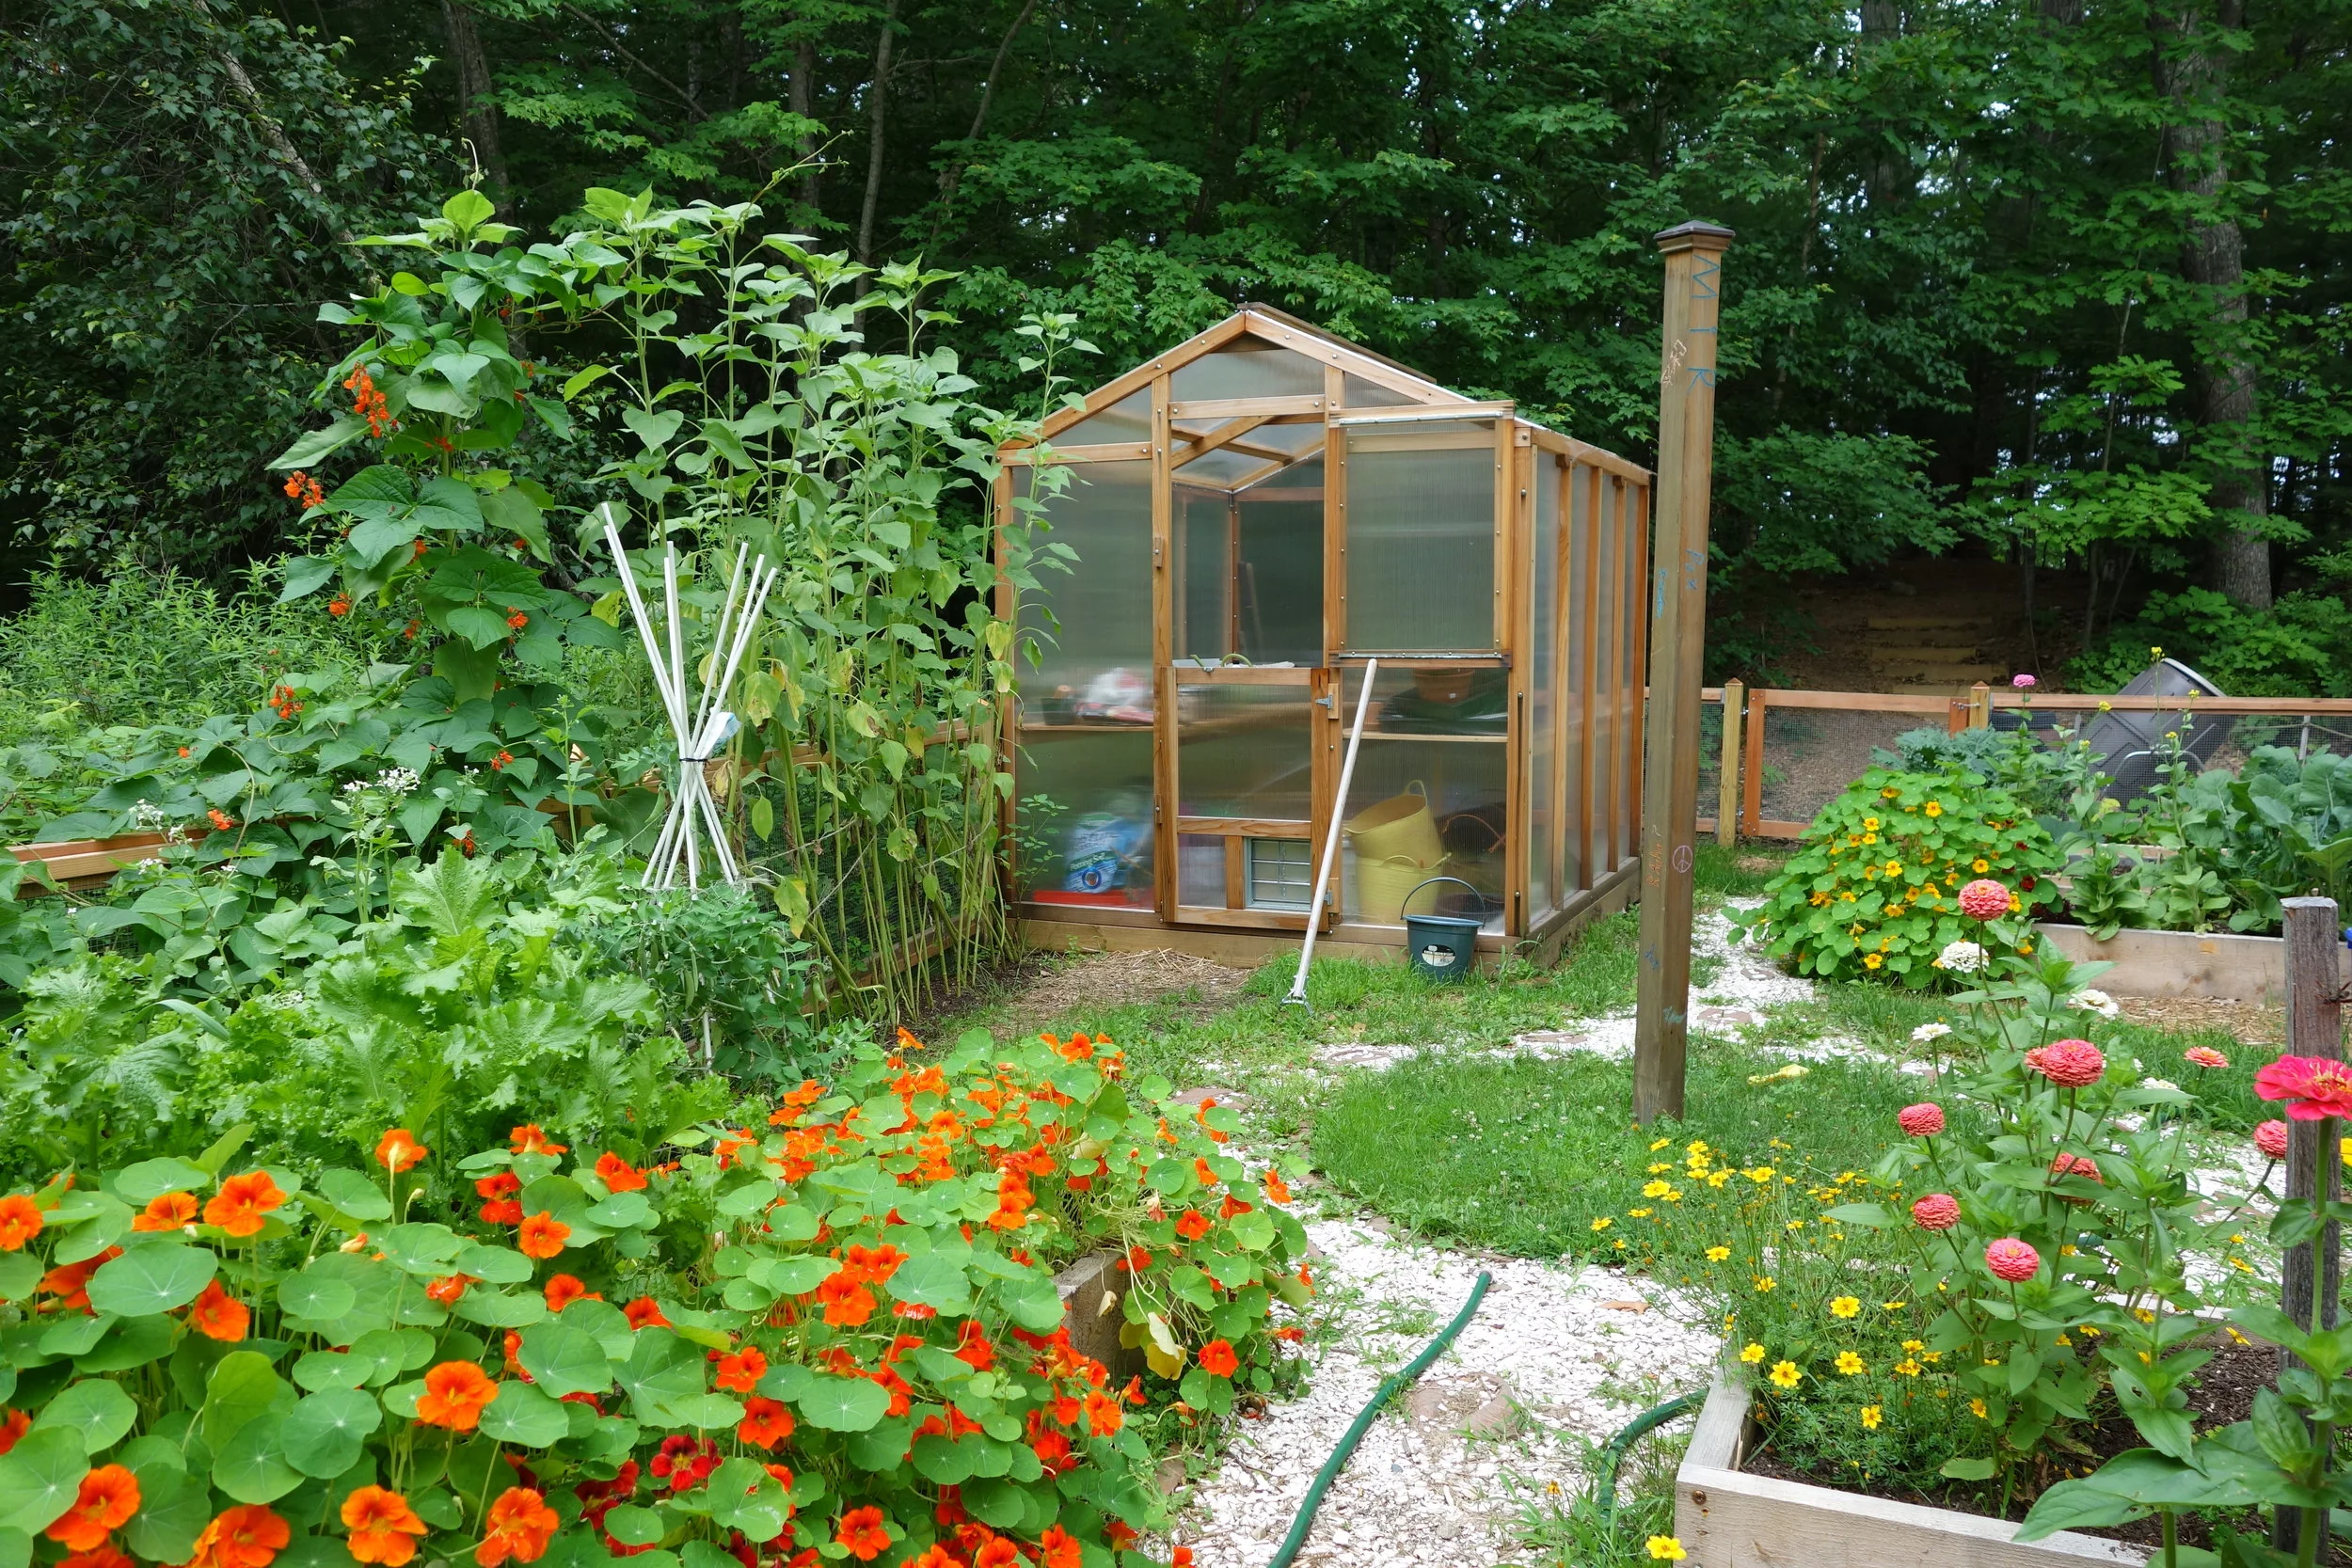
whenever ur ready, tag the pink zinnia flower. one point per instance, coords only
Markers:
(2075, 1164)
(2023, 683)
(2013, 1259)
(1923, 1120)
(2204, 1055)
(2069, 1064)
(1936, 1211)
(1984, 899)
(2271, 1138)
(2314, 1087)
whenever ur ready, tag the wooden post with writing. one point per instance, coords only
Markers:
(1677, 638)
(2313, 1278)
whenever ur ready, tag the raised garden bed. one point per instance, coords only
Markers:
(88, 862)
(2183, 963)
(1728, 1518)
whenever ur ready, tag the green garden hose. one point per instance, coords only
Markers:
(1364, 1418)
(1605, 1481)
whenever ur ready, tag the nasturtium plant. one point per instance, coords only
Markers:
(1873, 890)
(834, 1333)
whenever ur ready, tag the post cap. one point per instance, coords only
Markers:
(1694, 235)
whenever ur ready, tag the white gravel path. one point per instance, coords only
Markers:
(1438, 1478)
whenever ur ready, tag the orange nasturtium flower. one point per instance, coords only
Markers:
(565, 1289)
(645, 1312)
(862, 1530)
(247, 1536)
(243, 1203)
(20, 1221)
(14, 1424)
(384, 1528)
(218, 1315)
(398, 1150)
(1192, 1225)
(1058, 1549)
(542, 1235)
(167, 1211)
(108, 1497)
(1276, 1190)
(618, 1174)
(1218, 1358)
(766, 1422)
(520, 1524)
(741, 1372)
(529, 1139)
(101, 1556)
(455, 1393)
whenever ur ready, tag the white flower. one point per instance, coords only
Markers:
(2159, 1084)
(2097, 1002)
(147, 818)
(1961, 958)
(1928, 1033)
(355, 786)
(399, 780)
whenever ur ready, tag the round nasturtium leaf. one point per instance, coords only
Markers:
(326, 1434)
(152, 1178)
(843, 1403)
(522, 1414)
(315, 1296)
(96, 1409)
(156, 1277)
(39, 1478)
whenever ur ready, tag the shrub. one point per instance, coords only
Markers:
(2301, 646)
(841, 1335)
(1872, 891)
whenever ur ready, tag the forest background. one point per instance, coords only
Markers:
(2061, 282)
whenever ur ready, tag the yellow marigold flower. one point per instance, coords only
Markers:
(1869, 838)
(1659, 1167)
(1889, 793)
(1671, 1194)
(2241, 1265)
(1893, 1305)
(1699, 1145)
(1659, 1144)
(2143, 1314)
(1907, 1367)
(1602, 1224)
(1639, 1213)
(1796, 1224)
(2064, 1341)
(1872, 823)
(1752, 1353)
(1870, 1417)
(1665, 1548)
(1930, 1356)
(1717, 1178)
(1915, 1344)
(1873, 960)
(1849, 1363)
(1785, 1374)
(1845, 1306)
(1979, 865)
(1717, 1254)
(1935, 808)
(1975, 1408)
(1655, 1189)
(1766, 1282)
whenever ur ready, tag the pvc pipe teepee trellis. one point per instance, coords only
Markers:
(705, 727)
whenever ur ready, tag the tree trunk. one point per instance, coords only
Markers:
(879, 107)
(475, 112)
(1889, 179)
(2192, 73)
(803, 101)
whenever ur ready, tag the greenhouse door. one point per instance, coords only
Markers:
(1240, 814)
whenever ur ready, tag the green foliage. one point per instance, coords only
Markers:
(1880, 1337)
(471, 1005)
(1873, 889)
(163, 258)
(2012, 760)
(324, 1329)
(2299, 647)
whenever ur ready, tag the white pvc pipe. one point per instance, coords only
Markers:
(1332, 839)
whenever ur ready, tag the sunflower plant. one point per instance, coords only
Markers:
(833, 1334)
(1873, 892)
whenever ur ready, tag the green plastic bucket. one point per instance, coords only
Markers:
(1442, 947)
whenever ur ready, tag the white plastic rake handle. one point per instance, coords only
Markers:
(1332, 839)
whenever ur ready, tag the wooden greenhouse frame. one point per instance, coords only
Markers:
(1176, 749)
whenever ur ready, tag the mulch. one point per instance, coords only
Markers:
(2223, 1396)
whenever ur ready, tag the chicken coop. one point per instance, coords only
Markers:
(1244, 524)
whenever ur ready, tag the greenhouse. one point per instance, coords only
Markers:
(1251, 520)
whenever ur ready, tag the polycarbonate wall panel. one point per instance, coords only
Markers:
(1205, 575)
(1279, 575)
(1128, 419)
(1244, 751)
(1247, 368)
(1083, 825)
(1421, 537)
(1093, 624)
(1542, 648)
(1574, 711)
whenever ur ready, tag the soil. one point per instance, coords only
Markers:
(2223, 1395)
(1040, 990)
(2250, 1021)
(1930, 626)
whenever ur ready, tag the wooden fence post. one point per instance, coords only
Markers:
(1980, 706)
(1751, 782)
(1728, 769)
(2315, 1028)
